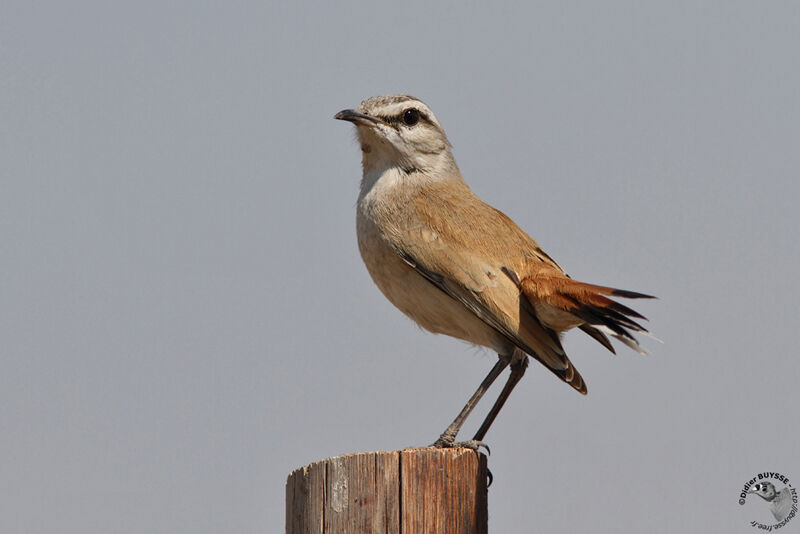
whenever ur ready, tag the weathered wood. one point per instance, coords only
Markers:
(411, 491)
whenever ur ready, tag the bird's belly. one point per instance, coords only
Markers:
(418, 298)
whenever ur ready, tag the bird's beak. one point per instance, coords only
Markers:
(356, 118)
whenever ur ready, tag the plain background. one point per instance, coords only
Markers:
(184, 316)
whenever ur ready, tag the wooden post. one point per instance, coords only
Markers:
(413, 491)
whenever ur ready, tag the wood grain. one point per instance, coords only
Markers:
(397, 492)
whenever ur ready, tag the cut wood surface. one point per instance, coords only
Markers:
(413, 491)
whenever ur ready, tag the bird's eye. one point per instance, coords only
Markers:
(411, 116)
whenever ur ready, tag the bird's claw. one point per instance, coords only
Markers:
(473, 444)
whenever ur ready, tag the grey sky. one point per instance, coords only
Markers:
(185, 318)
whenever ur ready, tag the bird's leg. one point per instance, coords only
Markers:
(448, 437)
(519, 363)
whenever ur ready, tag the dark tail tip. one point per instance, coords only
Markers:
(631, 294)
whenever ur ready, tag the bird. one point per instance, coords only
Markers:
(457, 266)
(780, 502)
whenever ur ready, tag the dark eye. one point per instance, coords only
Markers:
(411, 116)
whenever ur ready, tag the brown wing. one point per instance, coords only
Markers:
(543, 282)
(551, 355)
(467, 248)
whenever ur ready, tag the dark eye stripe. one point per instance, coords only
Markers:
(399, 118)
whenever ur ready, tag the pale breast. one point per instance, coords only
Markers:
(415, 296)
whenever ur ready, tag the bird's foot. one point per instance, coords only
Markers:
(447, 442)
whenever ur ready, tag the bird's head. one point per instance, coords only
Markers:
(399, 131)
(765, 490)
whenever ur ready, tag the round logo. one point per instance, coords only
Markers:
(772, 498)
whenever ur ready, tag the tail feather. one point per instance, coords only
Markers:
(612, 315)
(627, 294)
(598, 336)
(621, 308)
(589, 303)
